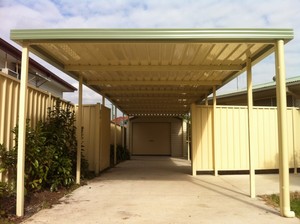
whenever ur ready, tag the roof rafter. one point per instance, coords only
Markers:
(154, 103)
(149, 68)
(153, 91)
(155, 83)
(155, 107)
(161, 111)
(151, 97)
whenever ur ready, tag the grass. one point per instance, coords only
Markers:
(273, 200)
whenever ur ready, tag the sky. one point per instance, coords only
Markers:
(36, 14)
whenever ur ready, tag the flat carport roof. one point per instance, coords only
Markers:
(155, 72)
(152, 71)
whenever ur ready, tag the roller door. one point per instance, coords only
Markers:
(151, 139)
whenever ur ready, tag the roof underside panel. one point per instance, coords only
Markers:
(152, 71)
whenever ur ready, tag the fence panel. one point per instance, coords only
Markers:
(118, 132)
(105, 138)
(91, 128)
(37, 107)
(202, 138)
(231, 136)
(96, 136)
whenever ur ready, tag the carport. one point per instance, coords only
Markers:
(157, 72)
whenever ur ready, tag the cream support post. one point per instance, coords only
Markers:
(250, 129)
(123, 131)
(194, 146)
(188, 140)
(97, 140)
(115, 138)
(214, 131)
(22, 132)
(285, 208)
(103, 101)
(79, 131)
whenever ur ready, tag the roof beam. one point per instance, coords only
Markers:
(154, 103)
(151, 68)
(157, 111)
(149, 107)
(156, 83)
(154, 91)
(160, 114)
(151, 97)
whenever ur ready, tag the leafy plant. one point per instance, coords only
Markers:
(51, 151)
(122, 154)
(5, 193)
(8, 161)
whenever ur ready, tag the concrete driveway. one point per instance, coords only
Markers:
(161, 190)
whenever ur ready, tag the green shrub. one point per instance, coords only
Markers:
(5, 193)
(122, 154)
(51, 152)
(8, 161)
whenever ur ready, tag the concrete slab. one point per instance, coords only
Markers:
(161, 190)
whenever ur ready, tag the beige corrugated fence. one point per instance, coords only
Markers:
(38, 103)
(112, 134)
(96, 136)
(231, 138)
(96, 120)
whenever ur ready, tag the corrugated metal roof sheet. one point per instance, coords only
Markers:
(153, 71)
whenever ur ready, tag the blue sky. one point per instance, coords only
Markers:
(23, 14)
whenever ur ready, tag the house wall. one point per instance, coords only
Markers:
(53, 88)
(297, 103)
(269, 101)
(231, 138)
(7, 61)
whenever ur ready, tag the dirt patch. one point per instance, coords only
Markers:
(34, 202)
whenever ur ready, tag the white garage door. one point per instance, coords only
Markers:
(151, 139)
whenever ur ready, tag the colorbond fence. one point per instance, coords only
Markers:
(118, 132)
(37, 107)
(96, 120)
(231, 138)
(96, 136)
